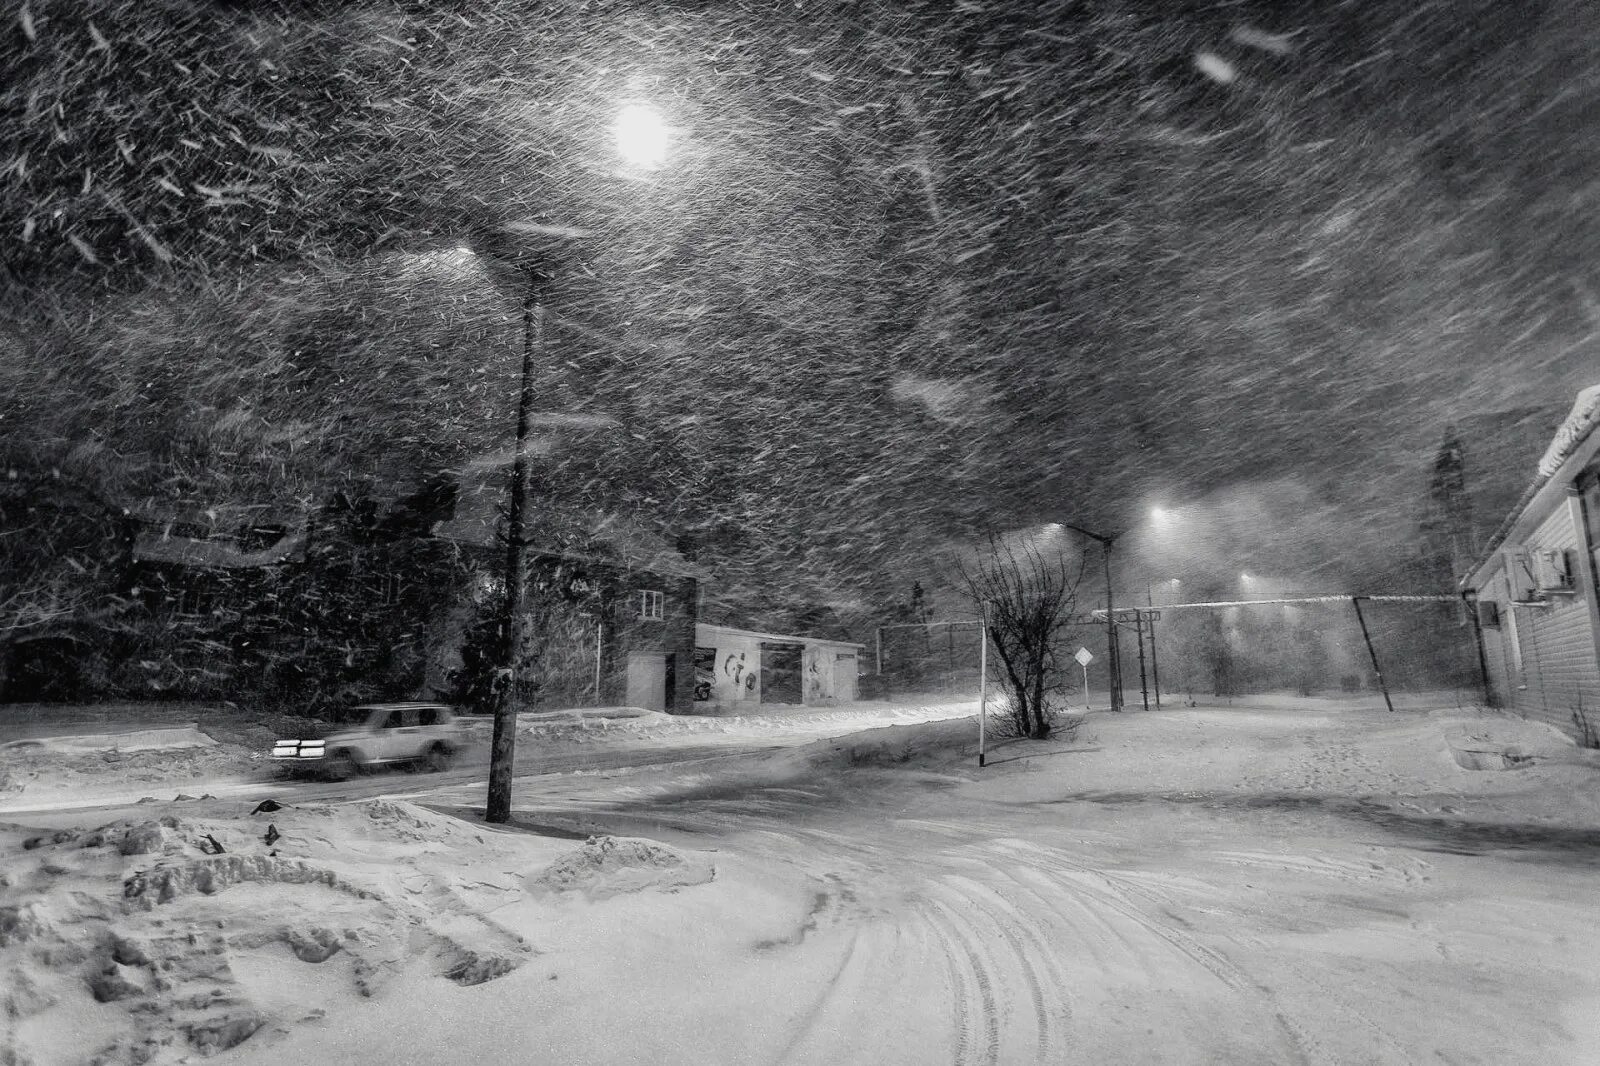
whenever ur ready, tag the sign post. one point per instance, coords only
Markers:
(1085, 657)
(983, 675)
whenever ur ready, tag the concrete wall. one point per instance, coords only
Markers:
(735, 672)
(731, 677)
(829, 673)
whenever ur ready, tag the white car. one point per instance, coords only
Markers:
(377, 734)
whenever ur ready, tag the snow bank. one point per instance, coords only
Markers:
(609, 866)
(137, 740)
(585, 726)
(157, 760)
(151, 939)
(1506, 743)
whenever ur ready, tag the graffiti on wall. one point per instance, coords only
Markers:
(736, 670)
(816, 687)
(705, 673)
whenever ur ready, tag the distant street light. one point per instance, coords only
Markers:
(1113, 660)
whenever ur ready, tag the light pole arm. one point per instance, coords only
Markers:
(1106, 541)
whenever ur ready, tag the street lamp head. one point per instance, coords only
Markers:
(641, 136)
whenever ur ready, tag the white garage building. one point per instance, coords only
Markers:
(738, 670)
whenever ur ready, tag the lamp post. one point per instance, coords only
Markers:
(535, 251)
(1113, 659)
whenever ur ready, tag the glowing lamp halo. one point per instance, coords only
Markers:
(641, 136)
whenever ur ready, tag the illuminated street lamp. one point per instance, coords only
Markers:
(535, 251)
(641, 136)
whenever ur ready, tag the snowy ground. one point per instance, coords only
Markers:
(91, 767)
(1272, 882)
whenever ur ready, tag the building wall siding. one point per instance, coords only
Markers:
(1560, 669)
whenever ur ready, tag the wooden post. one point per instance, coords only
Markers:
(1371, 651)
(502, 746)
(1144, 684)
(1113, 661)
(1155, 666)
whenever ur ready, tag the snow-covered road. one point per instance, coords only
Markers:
(1280, 882)
(1242, 885)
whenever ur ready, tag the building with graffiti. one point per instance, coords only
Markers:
(737, 671)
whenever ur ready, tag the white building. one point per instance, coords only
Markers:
(1538, 601)
(736, 671)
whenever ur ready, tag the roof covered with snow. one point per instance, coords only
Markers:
(1580, 422)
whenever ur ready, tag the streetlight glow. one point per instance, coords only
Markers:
(1157, 514)
(641, 135)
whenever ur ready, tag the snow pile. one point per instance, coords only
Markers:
(1580, 421)
(607, 866)
(151, 939)
(80, 766)
(138, 740)
(589, 726)
(1507, 744)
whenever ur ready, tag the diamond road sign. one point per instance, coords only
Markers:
(1084, 656)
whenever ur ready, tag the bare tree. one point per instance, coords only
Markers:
(1030, 598)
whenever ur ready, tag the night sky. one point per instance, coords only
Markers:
(908, 273)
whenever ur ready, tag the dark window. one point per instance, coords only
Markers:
(394, 721)
(428, 716)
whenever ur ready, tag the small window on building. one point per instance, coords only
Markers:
(651, 605)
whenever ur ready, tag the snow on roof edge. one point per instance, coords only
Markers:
(1578, 424)
(1575, 429)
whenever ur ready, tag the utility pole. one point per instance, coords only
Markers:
(502, 748)
(1155, 665)
(1144, 684)
(1113, 659)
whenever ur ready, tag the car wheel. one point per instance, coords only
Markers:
(437, 759)
(340, 766)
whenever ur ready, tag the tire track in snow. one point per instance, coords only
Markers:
(807, 1023)
(1019, 936)
(1113, 892)
(974, 983)
(1078, 879)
